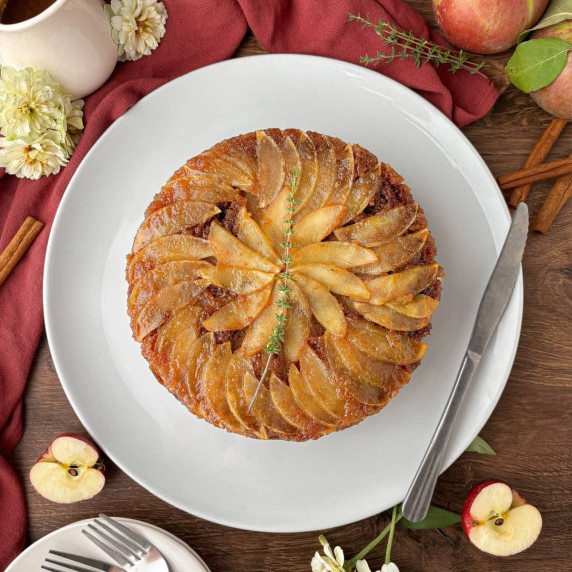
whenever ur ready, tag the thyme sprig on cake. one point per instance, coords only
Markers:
(420, 50)
(276, 338)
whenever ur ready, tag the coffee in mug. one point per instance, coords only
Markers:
(14, 11)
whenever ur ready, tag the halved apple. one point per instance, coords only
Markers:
(390, 319)
(239, 312)
(336, 279)
(250, 234)
(237, 368)
(299, 323)
(364, 369)
(315, 226)
(324, 306)
(363, 190)
(322, 382)
(259, 331)
(341, 254)
(384, 345)
(263, 408)
(344, 176)
(270, 169)
(167, 249)
(173, 219)
(161, 306)
(397, 253)
(306, 400)
(379, 228)
(236, 279)
(421, 306)
(402, 285)
(229, 250)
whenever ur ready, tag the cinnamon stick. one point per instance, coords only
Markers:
(553, 204)
(18, 246)
(537, 156)
(538, 173)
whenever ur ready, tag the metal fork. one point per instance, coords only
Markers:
(91, 562)
(129, 550)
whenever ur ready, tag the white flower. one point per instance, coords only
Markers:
(363, 566)
(32, 159)
(136, 26)
(71, 130)
(331, 562)
(30, 102)
(391, 567)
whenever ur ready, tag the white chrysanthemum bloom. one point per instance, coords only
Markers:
(363, 566)
(73, 124)
(391, 567)
(136, 26)
(30, 102)
(333, 561)
(32, 159)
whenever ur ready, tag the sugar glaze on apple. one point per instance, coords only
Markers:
(498, 520)
(69, 470)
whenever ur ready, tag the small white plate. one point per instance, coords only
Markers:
(272, 486)
(179, 556)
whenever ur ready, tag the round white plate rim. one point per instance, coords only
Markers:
(80, 523)
(517, 297)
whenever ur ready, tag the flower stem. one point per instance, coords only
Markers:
(390, 539)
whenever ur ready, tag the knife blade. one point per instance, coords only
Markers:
(492, 306)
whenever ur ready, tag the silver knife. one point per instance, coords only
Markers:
(493, 304)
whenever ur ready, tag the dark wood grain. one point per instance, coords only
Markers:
(529, 429)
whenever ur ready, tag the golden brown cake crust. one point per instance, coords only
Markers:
(205, 268)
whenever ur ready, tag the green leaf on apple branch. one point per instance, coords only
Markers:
(436, 518)
(479, 445)
(537, 63)
(557, 11)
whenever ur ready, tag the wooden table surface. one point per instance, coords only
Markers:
(529, 429)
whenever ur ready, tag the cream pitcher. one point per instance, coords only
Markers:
(71, 39)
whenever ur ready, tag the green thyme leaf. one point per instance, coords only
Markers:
(436, 518)
(537, 63)
(479, 445)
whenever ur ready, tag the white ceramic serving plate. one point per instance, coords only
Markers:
(179, 556)
(272, 486)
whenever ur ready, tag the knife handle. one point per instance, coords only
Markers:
(418, 497)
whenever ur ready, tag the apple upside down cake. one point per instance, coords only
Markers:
(281, 283)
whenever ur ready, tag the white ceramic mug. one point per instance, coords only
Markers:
(71, 39)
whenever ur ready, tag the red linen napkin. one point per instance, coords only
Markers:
(198, 33)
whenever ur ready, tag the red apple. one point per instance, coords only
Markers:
(70, 470)
(498, 520)
(486, 26)
(556, 98)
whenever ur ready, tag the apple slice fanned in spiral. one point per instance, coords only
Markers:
(337, 280)
(315, 226)
(308, 167)
(298, 327)
(271, 169)
(250, 234)
(236, 279)
(224, 167)
(341, 254)
(344, 176)
(363, 191)
(385, 316)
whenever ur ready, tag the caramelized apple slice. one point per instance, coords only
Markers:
(259, 331)
(324, 306)
(309, 167)
(250, 234)
(421, 306)
(363, 190)
(185, 323)
(322, 382)
(199, 353)
(238, 313)
(229, 250)
(317, 225)
(384, 345)
(212, 387)
(167, 249)
(388, 318)
(236, 279)
(284, 401)
(161, 306)
(344, 176)
(236, 370)
(335, 279)
(299, 323)
(379, 228)
(404, 284)
(224, 167)
(363, 368)
(325, 180)
(367, 394)
(341, 254)
(270, 169)
(306, 400)
(160, 277)
(173, 219)
(263, 407)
